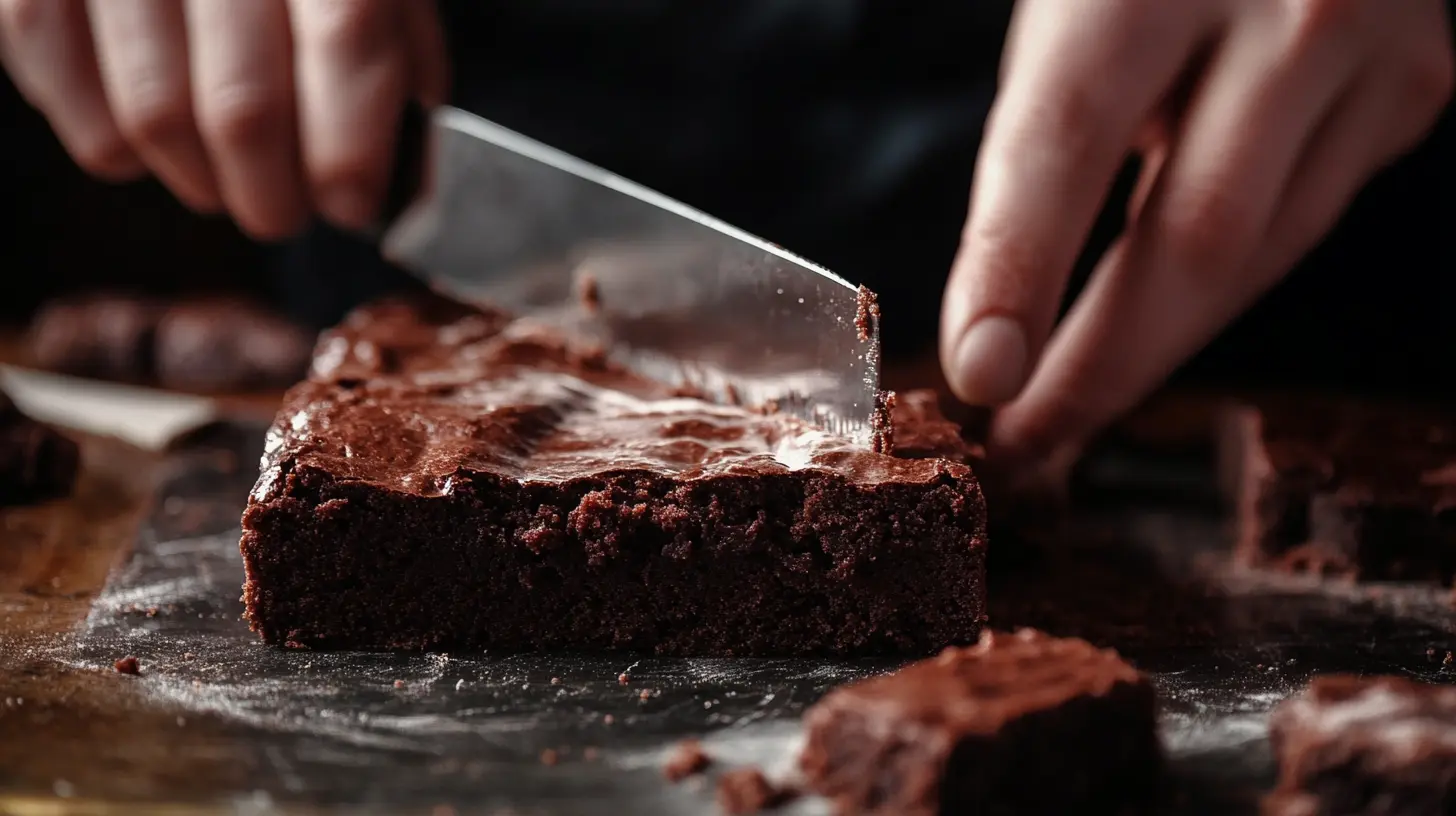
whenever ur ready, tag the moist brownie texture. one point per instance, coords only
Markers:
(1379, 746)
(37, 462)
(1344, 487)
(1018, 723)
(451, 478)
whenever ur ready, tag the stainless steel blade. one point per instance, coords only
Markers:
(674, 293)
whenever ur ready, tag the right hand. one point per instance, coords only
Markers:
(272, 110)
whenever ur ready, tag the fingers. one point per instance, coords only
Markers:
(353, 74)
(141, 46)
(1083, 77)
(429, 64)
(243, 97)
(1229, 213)
(48, 49)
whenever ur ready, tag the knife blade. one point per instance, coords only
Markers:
(669, 291)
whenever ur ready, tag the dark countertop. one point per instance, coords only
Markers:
(218, 719)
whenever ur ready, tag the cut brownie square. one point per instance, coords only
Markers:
(1019, 723)
(1379, 746)
(1344, 487)
(455, 479)
(37, 462)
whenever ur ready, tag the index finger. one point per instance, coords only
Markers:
(1080, 80)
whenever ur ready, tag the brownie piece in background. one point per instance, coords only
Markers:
(1018, 723)
(1343, 487)
(453, 479)
(210, 344)
(1379, 746)
(37, 462)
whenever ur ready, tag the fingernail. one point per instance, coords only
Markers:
(348, 207)
(990, 361)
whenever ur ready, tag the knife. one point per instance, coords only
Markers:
(499, 218)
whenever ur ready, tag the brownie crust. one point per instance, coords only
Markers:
(451, 478)
(1019, 723)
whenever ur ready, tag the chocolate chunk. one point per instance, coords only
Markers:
(1344, 487)
(1369, 745)
(450, 479)
(37, 462)
(1019, 723)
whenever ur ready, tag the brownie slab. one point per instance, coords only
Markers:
(37, 462)
(1018, 723)
(1381, 746)
(1362, 489)
(455, 479)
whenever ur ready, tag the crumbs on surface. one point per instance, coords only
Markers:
(882, 425)
(747, 790)
(128, 665)
(866, 313)
(687, 759)
(550, 757)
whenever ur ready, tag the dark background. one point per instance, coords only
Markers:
(845, 130)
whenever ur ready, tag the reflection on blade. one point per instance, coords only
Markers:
(674, 293)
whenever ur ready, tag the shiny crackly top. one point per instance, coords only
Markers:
(412, 394)
(977, 689)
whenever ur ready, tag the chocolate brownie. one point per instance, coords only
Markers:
(37, 462)
(1018, 723)
(209, 345)
(454, 479)
(1380, 746)
(1344, 487)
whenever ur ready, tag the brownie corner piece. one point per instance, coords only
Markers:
(1343, 486)
(1372, 745)
(1018, 723)
(453, 479)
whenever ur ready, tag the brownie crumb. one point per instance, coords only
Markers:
(589, 293)
(624, 678)
(645, 694)
(550, 757)
(866, 314)
(1446, 661)
(882, 429)
(128, 665)
(399, 684)
(608, 719)
(590, 754)
(747, 790)
(556, 681)
(687, 759)
(188, 655)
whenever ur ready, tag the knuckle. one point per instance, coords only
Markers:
(1006, 266)
(155, 119)
(1317, 19)
(1208, 225)
(243, 119)
(24, 17)
(107, 157)
(346, 25)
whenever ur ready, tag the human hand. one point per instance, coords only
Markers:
(1258, 121)
(272, 110)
